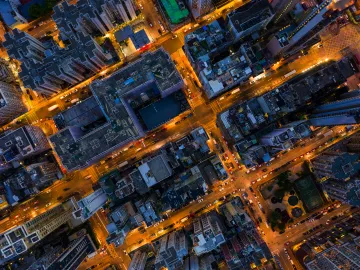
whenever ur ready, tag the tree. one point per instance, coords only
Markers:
(279, 193)
(281, 227)
(275, 217)
(36, 11)
(283, 181)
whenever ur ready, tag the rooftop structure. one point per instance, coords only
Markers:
(139, 39)
(147, 208)
(337, 257)
(218, 68)
(92, 17)
(47, 68)
(155, 170)
(249, 18)
(11, 105)
(173, 247)
(207, 234)
(90, 204)
(79, 146)
(284, 138)
(22, 142)
(342, 112)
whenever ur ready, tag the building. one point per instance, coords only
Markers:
(92, 17)
(21, 238)
(47, 68)
(249, 18)
(90, 204)
(23, 142)
(336, 164)
(199, 8)
(342, 112)
(10, 14)
(187, 188)
(66, 258)
(139, 38)
(284, 138)
(11, 105)
(146, 207)
(207, 234)
(209, 52)
(339, 173)
(138, 260)
(116, 186)
(122, 221)
(173, 248)
(111, 121)
(6, 74)
(338, 256)
(155, 170)
(282, 8)
(299, 36)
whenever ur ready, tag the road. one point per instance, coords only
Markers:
(203, 116)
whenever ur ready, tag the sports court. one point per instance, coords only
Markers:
(175, 13)
(309, 194)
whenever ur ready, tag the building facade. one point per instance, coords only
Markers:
(11, 105)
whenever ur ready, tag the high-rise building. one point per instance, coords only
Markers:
(173, 248)
(207, 234)
(23, 142)
(92, 17)
(296, 37)
(19, 239)
(338, 171)
(22, 46)
(284, 138)
(72, 256)
(113, 119)
(199, 8)
(282, 8)
(341, 256)
(47, 68)
(342, 112)
(249, 18)
(6, 74)
(11, 105)
(138, 260)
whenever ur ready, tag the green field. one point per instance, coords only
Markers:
(308, 193)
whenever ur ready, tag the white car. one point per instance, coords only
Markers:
(200, 200)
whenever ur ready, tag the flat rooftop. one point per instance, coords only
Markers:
(16, 142)
(153, 67)
(78, 147)
(250, 14)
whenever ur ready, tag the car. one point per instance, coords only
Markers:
(141, 240)
(48, 204)
(156, 224)
(264, 170)
(251, 189)
(287, 243)
(200, 200)
(124, 251)
(174, 36)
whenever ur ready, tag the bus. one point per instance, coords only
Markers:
(53, 107)
(123, 164)
(287, 75)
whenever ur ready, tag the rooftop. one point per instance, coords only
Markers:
(139, 39)
(155, 170)
(77, 147)
(250, 14)
(16, 142)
